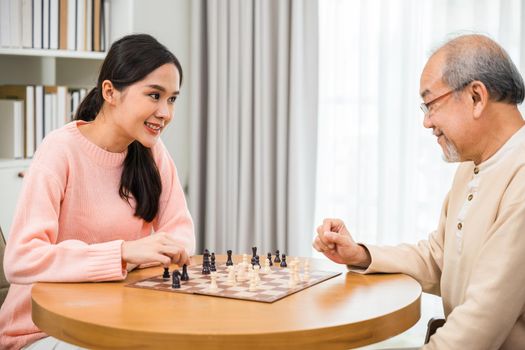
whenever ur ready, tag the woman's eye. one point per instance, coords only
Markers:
(172, 99)
(155, 96)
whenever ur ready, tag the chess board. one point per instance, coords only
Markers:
(272, 286)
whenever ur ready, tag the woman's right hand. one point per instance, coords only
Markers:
(159, 247)
(336, 243)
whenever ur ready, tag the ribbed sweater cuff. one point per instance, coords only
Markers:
(105, 262)
(371, 267)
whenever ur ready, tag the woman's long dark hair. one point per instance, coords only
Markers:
(131, 59)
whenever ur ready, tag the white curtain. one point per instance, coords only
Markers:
(253, 85)
(378, 168)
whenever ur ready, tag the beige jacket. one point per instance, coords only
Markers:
(475, 260)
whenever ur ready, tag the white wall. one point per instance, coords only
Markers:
(169, 22)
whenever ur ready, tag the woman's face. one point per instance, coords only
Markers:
(146, 107)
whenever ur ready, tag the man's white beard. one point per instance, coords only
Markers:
(450, 155)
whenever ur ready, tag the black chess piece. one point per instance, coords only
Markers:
(254, 252)
(253, 261)
(212, 265)
(166, 274)
(270, 258)
(206, 263)
(175, 283)
(185, 276)
(283, 262)
(277, 259)
(257, 262)
(229, 262)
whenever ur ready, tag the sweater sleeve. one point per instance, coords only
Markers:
(495, 294)
(173, 216)
(422, 261)
(32, 252)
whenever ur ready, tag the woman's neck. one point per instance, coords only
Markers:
(105, 134)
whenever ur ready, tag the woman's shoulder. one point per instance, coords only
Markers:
(56, 144)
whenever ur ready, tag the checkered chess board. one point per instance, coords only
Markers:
(272, 286)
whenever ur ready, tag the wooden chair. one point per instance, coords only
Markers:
(432, 326)
(4, 285)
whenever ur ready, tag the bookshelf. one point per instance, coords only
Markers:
(52, 53)
(38, 67)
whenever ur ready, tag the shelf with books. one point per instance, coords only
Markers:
(88, 55)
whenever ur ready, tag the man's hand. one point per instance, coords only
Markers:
(334, 241)
(160, 247)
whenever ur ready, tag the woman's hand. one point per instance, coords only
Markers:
(160, 247)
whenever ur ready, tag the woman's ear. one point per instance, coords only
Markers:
(108, 92)
(480, 97)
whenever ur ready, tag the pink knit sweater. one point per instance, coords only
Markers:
(70, 223)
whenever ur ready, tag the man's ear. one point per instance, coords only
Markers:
(109, 92)
(480, 97)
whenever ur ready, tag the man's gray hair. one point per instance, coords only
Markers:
(477, 57)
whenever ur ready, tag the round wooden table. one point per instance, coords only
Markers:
(350, 310)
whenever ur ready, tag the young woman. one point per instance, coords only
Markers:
(102, 192)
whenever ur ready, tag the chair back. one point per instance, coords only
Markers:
(4, 285)
(432, 327)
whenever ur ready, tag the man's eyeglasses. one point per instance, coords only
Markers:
(425, 107)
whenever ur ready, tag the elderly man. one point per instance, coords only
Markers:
(475, 258)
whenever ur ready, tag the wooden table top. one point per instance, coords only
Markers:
(350, 310)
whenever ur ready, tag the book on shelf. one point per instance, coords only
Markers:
(27, 95)
(37, 24)
(12, 130)
(81, 25)
(62, 27)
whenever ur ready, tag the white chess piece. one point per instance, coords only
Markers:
(241, 272)
(231, 276)
(213, 283)
(295, 269)
(291, 280)
(306, 275)
(267, 268)
(253, 284)
(256, 269)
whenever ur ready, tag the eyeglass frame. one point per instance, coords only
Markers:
(425, 107)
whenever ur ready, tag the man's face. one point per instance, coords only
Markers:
(446, 115)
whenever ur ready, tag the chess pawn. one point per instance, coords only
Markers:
(291, 280)
(241, 272)
(166, 275)
(213, 283)
(283, 262)
(267, 268)
(270, 258)
(306, 275)
(295, 269)
(277, 259)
